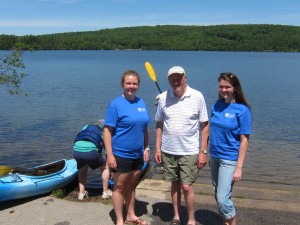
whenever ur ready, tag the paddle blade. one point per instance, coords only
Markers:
(150, 71)
(5, 170)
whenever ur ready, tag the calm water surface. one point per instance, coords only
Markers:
(69, 89)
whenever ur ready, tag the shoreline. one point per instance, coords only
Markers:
(255, 184)
(155, 172)
(240, 193)
(153, 203)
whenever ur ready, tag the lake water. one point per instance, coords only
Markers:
(69, 89)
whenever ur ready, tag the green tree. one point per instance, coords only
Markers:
(10, 75)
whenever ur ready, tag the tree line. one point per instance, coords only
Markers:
(247, 37)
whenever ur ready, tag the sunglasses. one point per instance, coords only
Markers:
(228, 75)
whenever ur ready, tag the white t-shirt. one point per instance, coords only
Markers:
(181, 121)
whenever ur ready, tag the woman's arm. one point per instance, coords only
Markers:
(242, 154)
(146, 146)
(108, 146)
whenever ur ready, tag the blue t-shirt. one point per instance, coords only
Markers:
(227, 123)
(129, 120)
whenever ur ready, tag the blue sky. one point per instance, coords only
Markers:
(25, 17)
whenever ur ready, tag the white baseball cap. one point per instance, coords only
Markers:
(176, 69)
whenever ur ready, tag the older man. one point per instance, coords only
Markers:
(180, 114)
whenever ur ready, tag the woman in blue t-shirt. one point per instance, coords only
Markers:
(230, 127)
(126, 143)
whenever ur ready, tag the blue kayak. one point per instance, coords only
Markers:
(144, 170)
(45, 179)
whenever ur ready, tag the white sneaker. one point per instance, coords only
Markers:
(83, 195)
(107, 194)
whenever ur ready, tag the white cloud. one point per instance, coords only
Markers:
(125, 1)
(61, 1)
(35, 23)
(52, 23)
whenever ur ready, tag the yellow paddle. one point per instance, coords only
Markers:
(151, 73)
(7, 169)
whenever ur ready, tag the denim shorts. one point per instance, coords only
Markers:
(180, 167)
(93, 159)
(222, 172)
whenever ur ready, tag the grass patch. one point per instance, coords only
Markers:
(59, 193)
(107, 202)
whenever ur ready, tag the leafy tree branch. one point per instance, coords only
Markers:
(10, 72)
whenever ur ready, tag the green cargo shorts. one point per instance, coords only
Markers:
(180, 167)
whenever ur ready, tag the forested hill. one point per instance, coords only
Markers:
(277, 38)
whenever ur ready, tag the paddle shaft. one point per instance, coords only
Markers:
(157, 87)
(7, 169)
(35, 172)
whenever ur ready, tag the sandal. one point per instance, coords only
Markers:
(175, 222)
(139, 221)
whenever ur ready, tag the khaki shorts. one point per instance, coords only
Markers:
(180, 167)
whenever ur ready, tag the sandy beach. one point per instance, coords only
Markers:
(254, 206)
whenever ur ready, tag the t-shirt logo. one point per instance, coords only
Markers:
(228, 115)
(141, 109)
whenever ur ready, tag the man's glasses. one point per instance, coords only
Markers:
(177, 80)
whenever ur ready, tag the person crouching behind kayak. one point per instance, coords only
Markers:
(87, 151)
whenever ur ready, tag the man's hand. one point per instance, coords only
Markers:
(157, 155)
(202, 160)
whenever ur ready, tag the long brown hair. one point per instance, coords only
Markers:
(235, 82)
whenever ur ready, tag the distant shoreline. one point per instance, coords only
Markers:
(231, 37)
